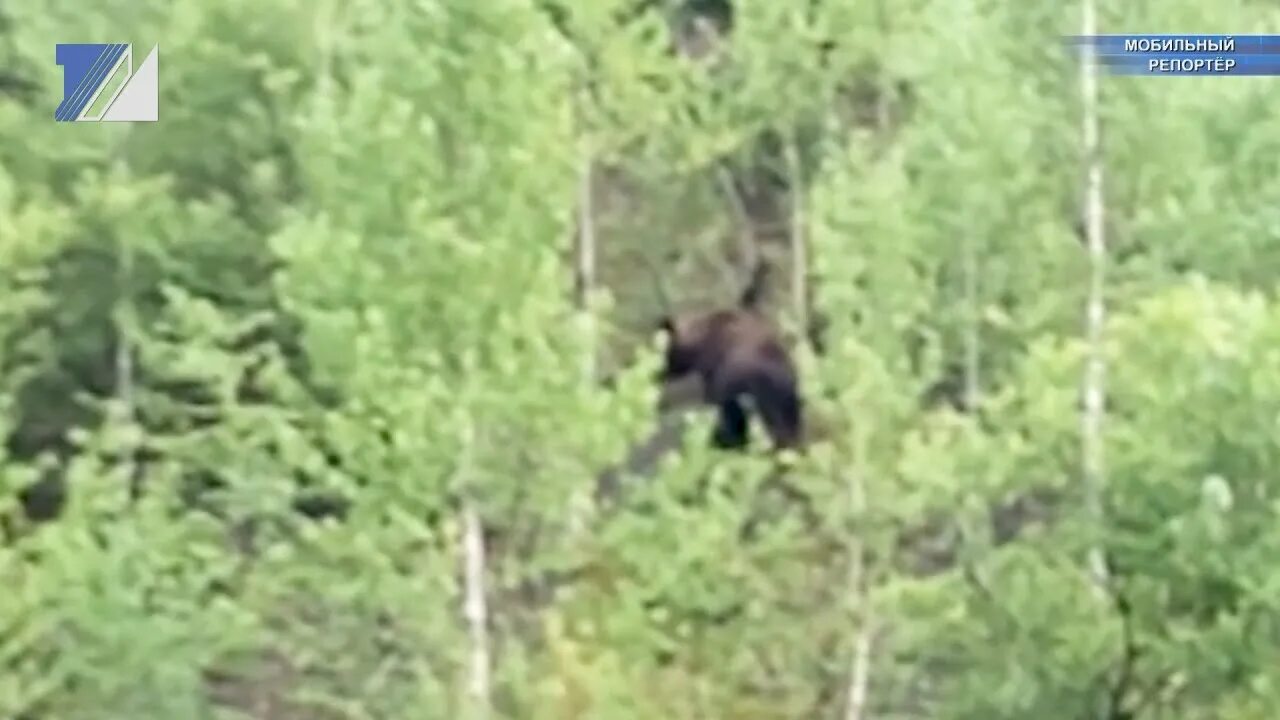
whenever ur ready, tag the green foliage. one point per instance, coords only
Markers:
(337, 274)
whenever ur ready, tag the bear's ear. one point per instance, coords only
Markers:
(667, 325)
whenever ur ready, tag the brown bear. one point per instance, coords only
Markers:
(740, 358)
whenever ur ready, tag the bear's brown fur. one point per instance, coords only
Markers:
(739, 356)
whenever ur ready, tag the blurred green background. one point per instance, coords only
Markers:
(395, 256)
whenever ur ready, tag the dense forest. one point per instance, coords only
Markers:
(331, 395)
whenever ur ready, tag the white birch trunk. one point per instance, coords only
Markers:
(1094, 388)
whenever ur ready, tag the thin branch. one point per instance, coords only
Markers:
(1094, 469)
(475, 600)
(859, 586)
(860, 662)
(973, 329)
(799, 236)
(748, 247)
(585, 260)
(125, 324)
(585, 281)
(476, 609)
